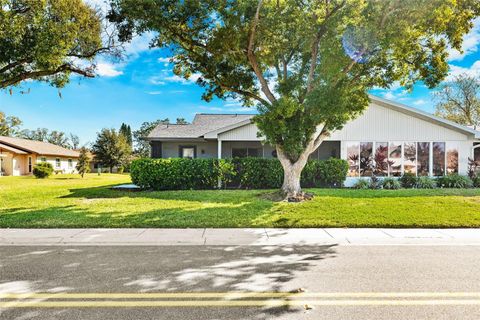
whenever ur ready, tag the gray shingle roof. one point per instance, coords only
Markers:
(201, 124)
(41, 148)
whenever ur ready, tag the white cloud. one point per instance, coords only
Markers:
(164, 59)
(471, 43)
(106, 69)
(419, 102)
(473, 70)
(154, 92)
(162, 80)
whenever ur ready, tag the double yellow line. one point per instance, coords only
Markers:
(234, 299)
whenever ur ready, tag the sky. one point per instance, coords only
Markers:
(142, 87)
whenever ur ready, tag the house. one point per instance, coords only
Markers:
(18, 156)
(388, 139)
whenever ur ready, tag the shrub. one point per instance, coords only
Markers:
(42, 170)
(176, 174)
(476, 182)
(408, 180)
(454, 181)
(375, 183)
(249, 173)
(332, 172)
(362, 184)
(426, 183)
(391, 184)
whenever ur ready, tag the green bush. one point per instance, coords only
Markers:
(476, 182)
(375, 182)
(248, 173)
(42, 170)
(426, 183)
(408, 180)
(362, 184)
(454, 181)
(391, 184)
(177, 174)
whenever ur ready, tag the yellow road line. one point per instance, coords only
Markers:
(238, 295)
(238, 303)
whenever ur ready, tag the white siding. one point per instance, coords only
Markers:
(64, 168)
(380, 123)
(244, 133)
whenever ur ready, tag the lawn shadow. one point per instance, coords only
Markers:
(155, 269)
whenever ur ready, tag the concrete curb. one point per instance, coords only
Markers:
(237, 237)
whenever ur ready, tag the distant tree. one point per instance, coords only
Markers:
(181, 121)
(74, 141)
(83, 163)
(127, 133)
(142, 147)
(49, 40)
(39, 134)
(459, 100)
(9, 125)
(58, 138)
(111, 148)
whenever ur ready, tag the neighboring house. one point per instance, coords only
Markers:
(18, 156)
(387, 140)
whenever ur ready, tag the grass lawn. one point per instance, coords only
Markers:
(69, 201)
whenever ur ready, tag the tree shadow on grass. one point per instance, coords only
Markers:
(154, 269)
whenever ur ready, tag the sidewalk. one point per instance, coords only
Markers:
(237, 237)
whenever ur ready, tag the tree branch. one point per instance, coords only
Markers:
(44, 73)
(253, 59)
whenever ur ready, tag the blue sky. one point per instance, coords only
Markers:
(142, 88)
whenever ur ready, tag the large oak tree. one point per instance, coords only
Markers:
(48, 40)
(307, 65)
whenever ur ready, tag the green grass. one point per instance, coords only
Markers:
(69, 201)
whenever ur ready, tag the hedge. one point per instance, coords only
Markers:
(247, 173)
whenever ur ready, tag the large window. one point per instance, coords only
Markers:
(381, 159)
(70, 163)
(423, 158)
(452, 158)
(188, 152)
(245, 152)
(366, 159)
(29, 164)
(438, 158)
(353, 158)
(395, 158)
(57, 163)
(410, 157)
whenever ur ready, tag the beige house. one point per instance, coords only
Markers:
(19, 156)
(404, 139)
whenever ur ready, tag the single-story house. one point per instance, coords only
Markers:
(388, 139)
(18, 156)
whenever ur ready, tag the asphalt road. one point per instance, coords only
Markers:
(196, 282)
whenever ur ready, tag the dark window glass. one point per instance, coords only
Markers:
(239, 152)
(438, 158)
(423, 158)
(366, 159)
(253, 152)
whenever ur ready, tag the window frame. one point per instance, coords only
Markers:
(58, 163)
(30, 164)
(182, 147)
(70, 163)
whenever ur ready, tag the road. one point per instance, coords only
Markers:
(196, 282)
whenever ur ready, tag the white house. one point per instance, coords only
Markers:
(404, 139)
(18, 156)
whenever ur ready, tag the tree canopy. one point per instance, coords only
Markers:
(9, 125)
(459, 100)
(111, 148)
(307, 66)
(48, 40)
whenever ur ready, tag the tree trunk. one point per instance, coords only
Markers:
(291, 174)
(292, 170)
